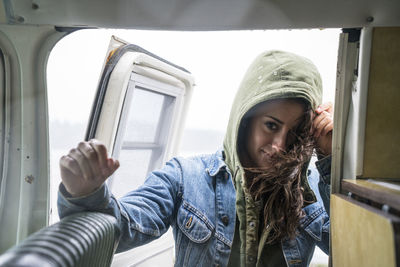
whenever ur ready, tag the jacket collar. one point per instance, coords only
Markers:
(216, 163)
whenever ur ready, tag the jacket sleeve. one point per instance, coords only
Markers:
(324, 168)
(143, 214)
(324, 185)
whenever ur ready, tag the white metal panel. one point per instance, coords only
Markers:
(354, 151)
(25, 173)
(345, 82)
(156, 253)
(3, 18)
(350, 108)
(206, 14)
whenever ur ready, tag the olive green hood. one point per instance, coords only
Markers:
(272, 75)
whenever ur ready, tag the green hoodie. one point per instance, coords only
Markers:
(272, 75)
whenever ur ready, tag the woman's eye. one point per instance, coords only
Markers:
(271, 125)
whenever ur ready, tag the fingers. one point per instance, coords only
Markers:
(328, 107)
(112, 165)
(101, 151)
(86, 167)
(90, 161)
(68, 163)
(107, 165)
(323, 127)
(323, 121)
(323, 124)
(327, 128)
(83, 163)
(91, 158)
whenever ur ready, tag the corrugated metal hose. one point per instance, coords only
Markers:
(83, 239)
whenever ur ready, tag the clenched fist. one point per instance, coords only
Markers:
(86, 167)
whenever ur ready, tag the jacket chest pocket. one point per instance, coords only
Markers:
(193, 238)
(316, 222)
(193, 223)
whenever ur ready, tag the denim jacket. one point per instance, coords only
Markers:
(196, 196)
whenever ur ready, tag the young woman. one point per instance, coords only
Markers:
(254, 203)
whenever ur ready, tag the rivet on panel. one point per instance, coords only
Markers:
(29, 179)
(20, 19)
(370, 19)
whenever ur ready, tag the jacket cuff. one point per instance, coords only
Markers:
(324, 168)
(97, 200)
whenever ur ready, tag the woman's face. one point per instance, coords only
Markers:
(270, 130)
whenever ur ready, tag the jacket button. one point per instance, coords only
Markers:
(251, 258)
(225, 220)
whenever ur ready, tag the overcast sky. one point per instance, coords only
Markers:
(218, 61)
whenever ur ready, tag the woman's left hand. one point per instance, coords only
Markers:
(323, 127)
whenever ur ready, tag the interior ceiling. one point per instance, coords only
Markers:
(204, 14)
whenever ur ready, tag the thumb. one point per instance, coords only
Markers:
(112, 166)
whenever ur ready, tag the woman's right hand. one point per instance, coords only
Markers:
(86, 167)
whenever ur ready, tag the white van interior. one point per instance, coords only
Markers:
(365, 196)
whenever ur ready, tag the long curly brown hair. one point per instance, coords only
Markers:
(279, 186)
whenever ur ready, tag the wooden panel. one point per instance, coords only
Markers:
(361, 236)
(382, 132)
(370, 189)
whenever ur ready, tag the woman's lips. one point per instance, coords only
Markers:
(265, 157)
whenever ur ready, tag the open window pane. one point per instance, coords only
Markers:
(144, 116)
(142, 135)
(132, 172)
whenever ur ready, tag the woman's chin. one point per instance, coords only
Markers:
(264, 161)
(263, 164)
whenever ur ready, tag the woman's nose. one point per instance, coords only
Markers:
(279, 143)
